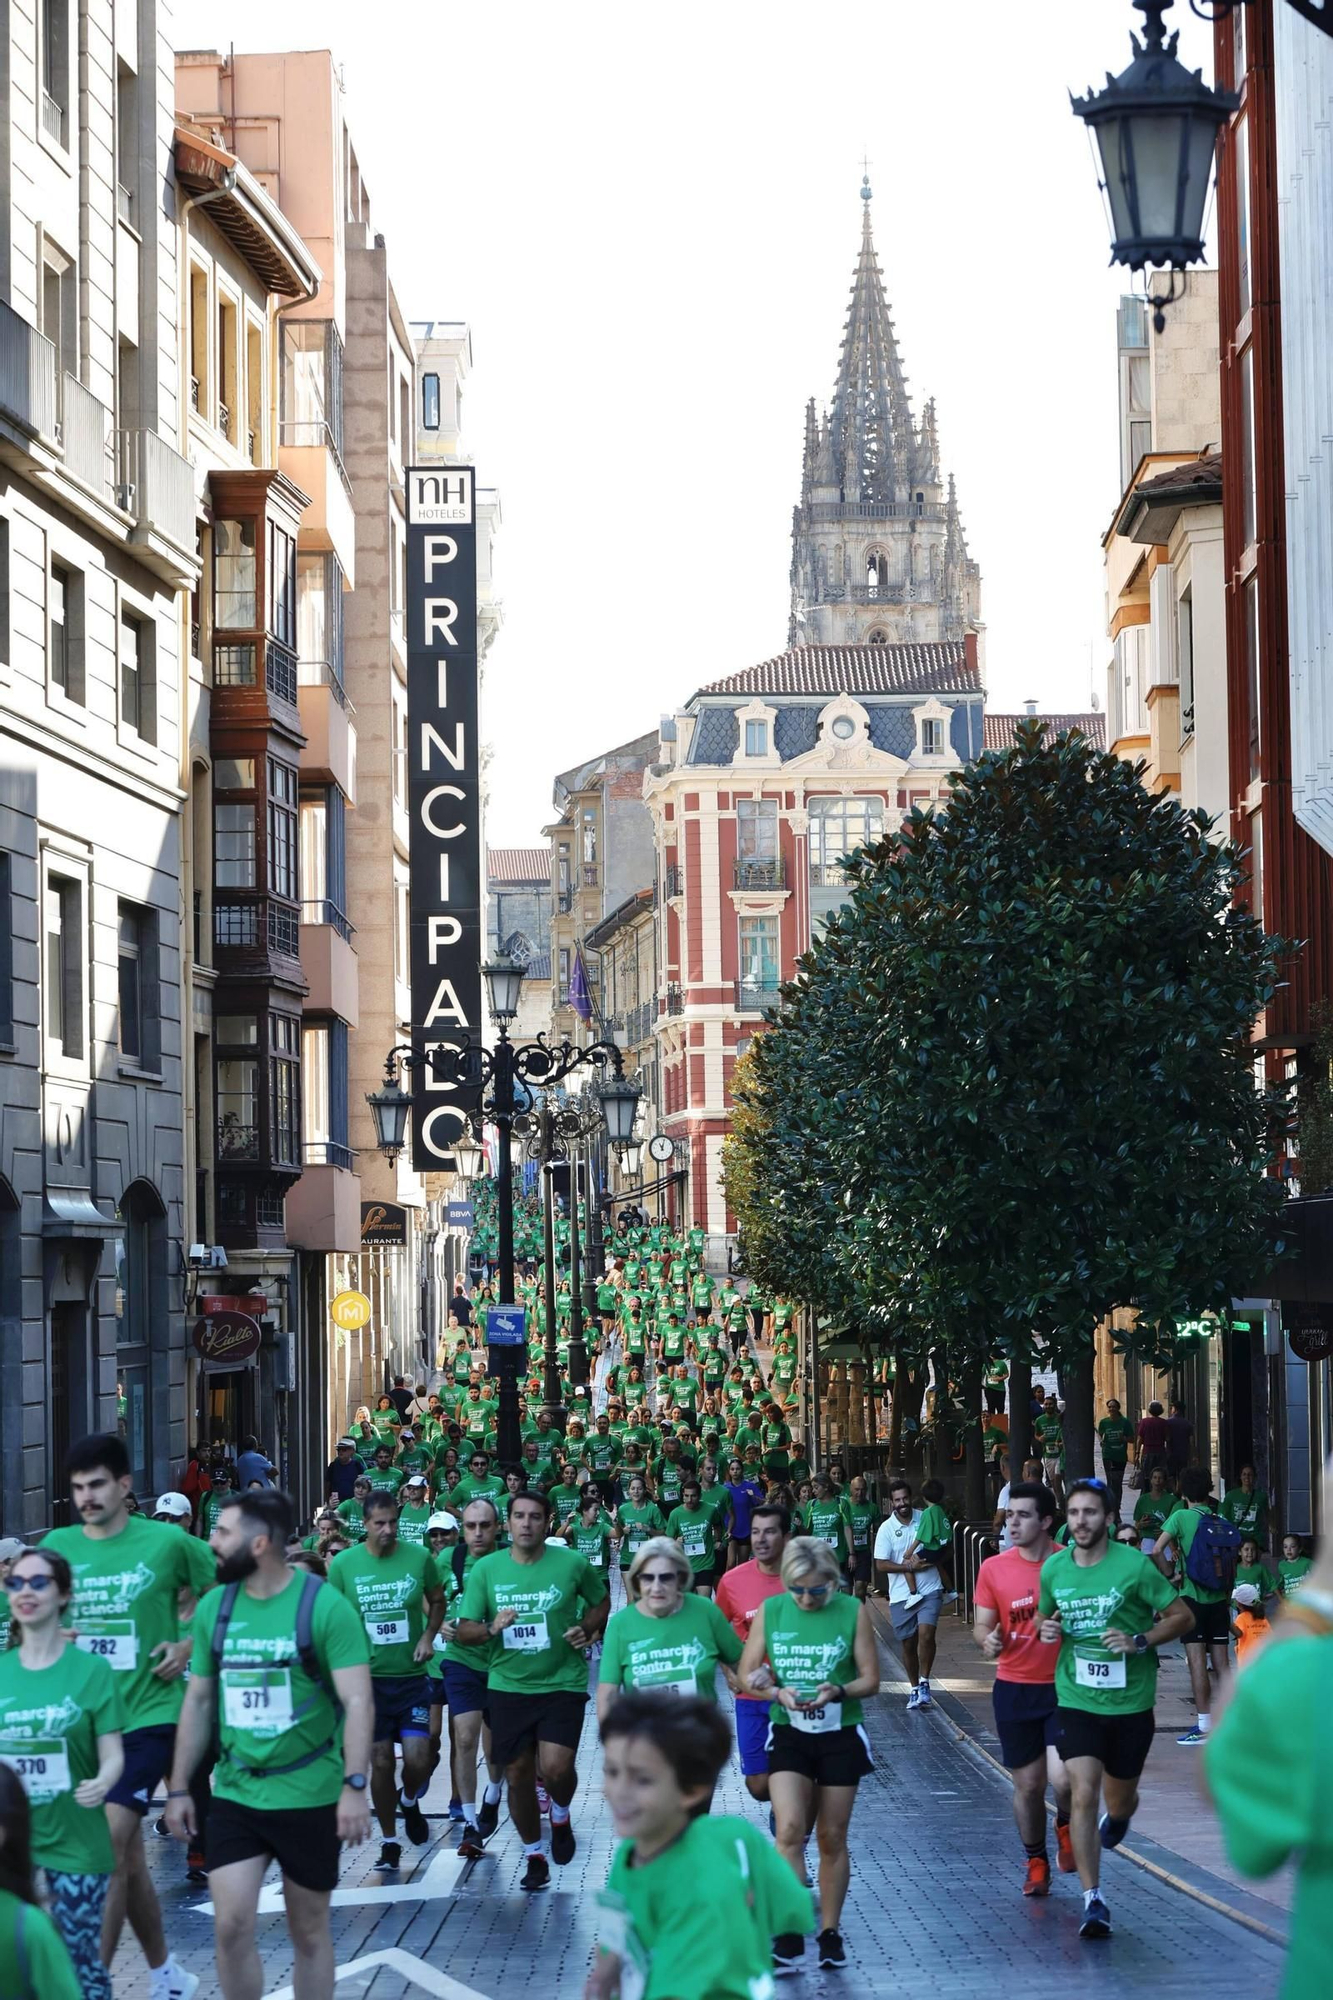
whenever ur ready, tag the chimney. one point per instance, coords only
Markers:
(1030, 707)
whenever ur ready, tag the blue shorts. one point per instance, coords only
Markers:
(402, 1706)
(148, 1754)
(465, 1690)
(752, 1719)
(1025, 1721)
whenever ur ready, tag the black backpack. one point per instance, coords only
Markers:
(311, 1664)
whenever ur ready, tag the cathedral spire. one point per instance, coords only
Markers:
(811, 450)
(928, 448)
(874, 438)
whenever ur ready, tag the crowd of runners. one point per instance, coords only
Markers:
(669, 1556)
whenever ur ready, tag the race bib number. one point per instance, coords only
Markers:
(42, 1767)
(1099, 1673)
(834, 1540)
(682, 1686)
(526, 1635)
(257, 1698)
(113, 1640)
(694, 1545)
(387, 1631)
(817, 1721)
(596, 1559)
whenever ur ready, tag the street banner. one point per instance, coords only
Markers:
(444, 797)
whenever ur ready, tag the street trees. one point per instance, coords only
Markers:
(1012, 1086)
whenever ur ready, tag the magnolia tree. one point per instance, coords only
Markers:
(1012, 1086)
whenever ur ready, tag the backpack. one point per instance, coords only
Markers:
(1210, 1560)
(311, 1664)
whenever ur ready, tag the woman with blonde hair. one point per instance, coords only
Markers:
(815, 1647)
(666, 1637)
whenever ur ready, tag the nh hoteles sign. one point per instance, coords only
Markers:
(444, 794)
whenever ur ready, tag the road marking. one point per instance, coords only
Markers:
(407, 1965)
(440, 1879)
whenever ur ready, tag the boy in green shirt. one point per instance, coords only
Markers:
(1211, 1638)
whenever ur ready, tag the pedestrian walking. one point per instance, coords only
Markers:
(1208, 1548)
(915, 1590)
(741, 1595)
(667, 1636)
(1116, 1433)
(1152, 1437)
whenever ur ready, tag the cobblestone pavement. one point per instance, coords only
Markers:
(934, 1905)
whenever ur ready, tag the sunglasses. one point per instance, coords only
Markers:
(809, 1589)
(30, 1580)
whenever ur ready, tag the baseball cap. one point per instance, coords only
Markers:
(11, 1548)
(406, 1436)
(441, 1521)
(416, 1479)
(1245, 1594)
(174, 1504)
(347, 1441)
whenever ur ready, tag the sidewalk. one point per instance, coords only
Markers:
(1175, 1828)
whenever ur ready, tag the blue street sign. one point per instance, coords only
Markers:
(505, 1326)
(459, 1215)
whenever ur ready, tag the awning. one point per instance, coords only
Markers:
(74, 1215)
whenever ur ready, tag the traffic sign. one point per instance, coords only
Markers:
(505, 1326)
(350, 1310)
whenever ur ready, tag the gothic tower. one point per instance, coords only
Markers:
(878, 551)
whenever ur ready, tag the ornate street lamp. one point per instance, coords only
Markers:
(1156, 126)
(470, 1157)
(390, 1106)
(504, 988)
(620, 1102)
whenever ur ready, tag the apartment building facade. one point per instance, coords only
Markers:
(601, 843)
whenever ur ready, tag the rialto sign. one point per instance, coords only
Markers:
(444, 795)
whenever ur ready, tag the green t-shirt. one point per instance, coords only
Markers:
(387, 1593)
(1256, 1574)
(1050, 1435)
(1179, 1529)
(603, 1454)
(860, 1517)
(1150, 1510)
(669, 1476)
(269, 1709)
(807, 1648)
(1124, 1590)
(825, 1520)
(565, 1500)
(593, 1544)
(678, 1654)
(412, 1525)
(1116, 1434)
(351, 1512)
(209, 1508)
(33, 1959)
(532, 1656)
(477, 1657)
(638, 1525)
(1291, 1575)
(696, 1530)
(934, 1531)
(385, 1478)
(1245, 1510)
(124, 1604)
(50, 1720)
(492, 1487)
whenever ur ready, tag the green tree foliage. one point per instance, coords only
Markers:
(1012, 1085)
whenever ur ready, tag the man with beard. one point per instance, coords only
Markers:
(280, 1674)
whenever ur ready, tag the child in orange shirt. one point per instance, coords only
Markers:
(1249, 1626)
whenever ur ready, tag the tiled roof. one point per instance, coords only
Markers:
(1203, 473)
(857, 670)
(998, 730)
(518, 864)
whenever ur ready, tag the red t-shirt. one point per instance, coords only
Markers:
(740, 1596)
(1007, 1585)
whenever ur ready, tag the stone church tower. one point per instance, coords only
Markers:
(878, 552)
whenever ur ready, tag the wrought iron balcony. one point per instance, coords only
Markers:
(675, 1000)
(756, 996)
(751, 872)
(673, 882)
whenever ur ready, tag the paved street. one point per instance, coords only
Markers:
(934, 1903)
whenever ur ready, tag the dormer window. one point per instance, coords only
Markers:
(843, 728)
(932, 736)
(756, 739)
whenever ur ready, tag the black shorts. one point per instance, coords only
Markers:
(840, 1758)
(1025, 1721)
(708, 1576)
(403, 1703)
(860, 1565)
(1212, 1623)
(148, 1754)
(304, 1841)
(520, 1721)
(1120, 1743)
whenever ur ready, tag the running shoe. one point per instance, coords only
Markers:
(414, 1821)
(914, 1698)
(471, 1846)
(924, 1699)
(488, 1818)
(391, 1853)
(183, 1985)
(536, 1874)
(1112, 1831)
(788, 1952)
(1064, 1850)
(1193, 1736)
(1096, 1919)
(543, 1800)
(456, 1811)
(562, 1841)
(1037, 1881)
(832, 1954)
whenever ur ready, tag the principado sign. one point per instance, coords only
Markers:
(444, 805)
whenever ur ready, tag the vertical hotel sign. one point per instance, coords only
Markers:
(444, 794)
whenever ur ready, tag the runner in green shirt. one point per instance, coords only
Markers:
(638, 1519)
(293, 1725)
(589, 1532)
(397, 1593)
(478, 1483)
(352, 1512)
(212, 1503)
(414, 1511)
(696, 1527)
(464, 1671)
(826, 1521)
(667, 1637)
(383, 1474)
(546, 1606)
(1108, 1609)
(861, 1517)
(1211, 1637)
(1294, 1567)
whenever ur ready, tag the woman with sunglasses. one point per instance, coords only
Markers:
(814, 1646)
(666, 1637)
(60, 1724)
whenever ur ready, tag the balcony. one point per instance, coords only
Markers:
(324, 1206)
(878, 593)
(307, 456)
(756, 996)
(27, 376)
(675, 1000)
(329, 963)
(85, 433)
(252, 930)
(673, 882)
(155, 486)
(639, 1024)
(280, 673)
(751, 872)
(330, 735)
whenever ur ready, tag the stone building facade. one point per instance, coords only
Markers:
(601, 853)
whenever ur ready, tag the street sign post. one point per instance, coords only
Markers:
(506, 1326)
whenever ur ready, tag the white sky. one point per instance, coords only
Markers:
(650, 218)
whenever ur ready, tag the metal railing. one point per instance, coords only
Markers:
(673, 882)
(754, 996)
(752, 872)
(328, 1153)
(323, 673)
(639, 1023)
(85, 433)
(973, 1541)
(280, 672)
(234, 663)
(27, 374)
(321, 910)
(156, 486)
(675, 1000)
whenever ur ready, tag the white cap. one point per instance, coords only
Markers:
(175, 1504)
(415, 1479)
(1245, 1594)
(349, 1441)
(11, 1548)
(403, 1436)
(441, 1521)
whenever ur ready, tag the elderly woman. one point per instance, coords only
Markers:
(815, 1647)
(666, 1637)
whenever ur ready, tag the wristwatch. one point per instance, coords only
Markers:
(355, 1780)
(1140, 1642)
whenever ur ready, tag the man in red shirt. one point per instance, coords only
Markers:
(739, 1596)
(1153, 1436)
(1005, 1628)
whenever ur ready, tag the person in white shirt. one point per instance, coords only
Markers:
(915, 1591)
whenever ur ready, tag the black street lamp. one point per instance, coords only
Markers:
(1156, 126)
(555, 1132)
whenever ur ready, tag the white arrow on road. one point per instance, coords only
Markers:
(412, 1969)
(440, 1879)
